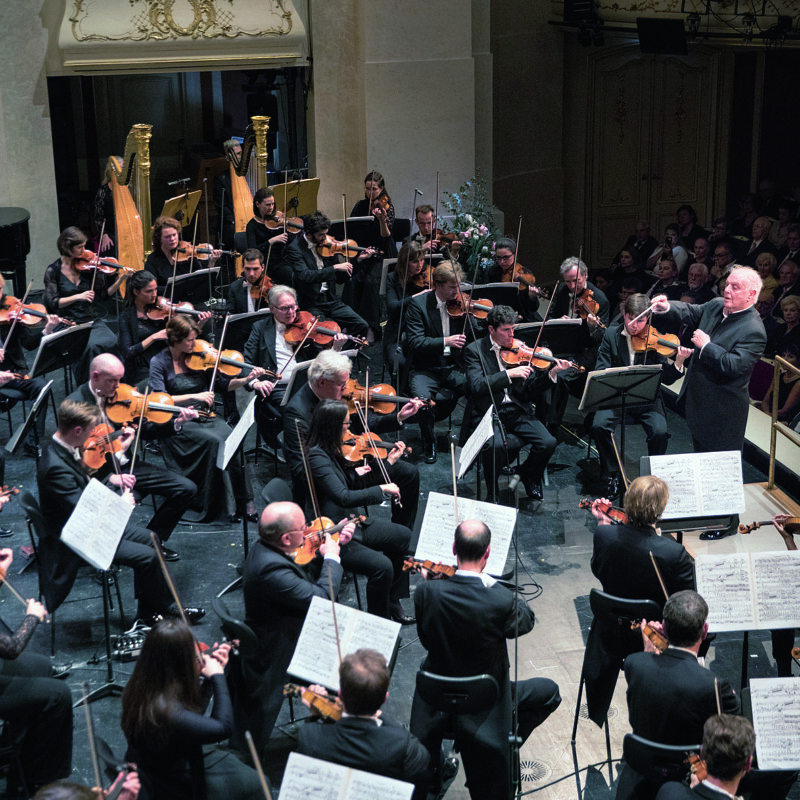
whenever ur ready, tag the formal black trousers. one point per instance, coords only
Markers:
(651, 418)
(427, 384)
(178, 493)
(330, 307)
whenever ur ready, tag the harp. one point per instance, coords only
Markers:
(248, 174)
(130, 189)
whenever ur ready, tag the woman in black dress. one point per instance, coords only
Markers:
(192, 451)
(169, 737)
(70, 293)
(400, 291)
(270, 241)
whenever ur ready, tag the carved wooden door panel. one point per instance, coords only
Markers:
(652, 143)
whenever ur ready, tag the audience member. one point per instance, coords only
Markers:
(689, 230)
(759, 244)
(789, 284)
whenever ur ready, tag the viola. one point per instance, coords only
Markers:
(791, 525)
(331, 247)
(33, 314)
(365, 445)
(658, 639)
(435, 571)
(382, 398)
(321, 333)
(462, 305)
(102, 440)
(615, 514)
(328, 707)
(696, 766)
(665, 344)
(314, 536)
(540, 358)
(586, 305)
(88, 260)
(126, 406)
(231, 362)
(163, 309)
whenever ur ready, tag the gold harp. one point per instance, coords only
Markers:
(248, 174)
(130, 188)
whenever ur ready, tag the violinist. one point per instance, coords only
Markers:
(277, 595)
(623, 346)
(502, 271)
(248, 293)
(403, 284)
(621, 562)
(510, 390)
(13, 365)
(428, 235)
(328, 375)
(314, 276)
(167, 248)
(362, 293)
(265, 231)
(434, 344)
(572, 300)
(178, 493)
(70, 293)
(36, 708)
(192, 451)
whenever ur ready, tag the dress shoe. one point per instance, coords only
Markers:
(449, 772)
(60, 670)
(5, 533)
(253, 517)
(533, 487)
(429, 452)
(32, 450)
(170, 555)
(398, 614)
(710, 536)
(193, 615)
(612, 487)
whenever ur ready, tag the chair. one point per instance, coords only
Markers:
(648, 765)
(8, 399)
(240, 241)
(468, 695)
(234, 628)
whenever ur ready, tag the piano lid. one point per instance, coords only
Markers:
(15, 239)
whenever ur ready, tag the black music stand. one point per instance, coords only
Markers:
(62, 349)
(241, 325)
(617, 387)
(196, 287)
(29, 423)
(499, 294)
(560, 335)
(297, 381)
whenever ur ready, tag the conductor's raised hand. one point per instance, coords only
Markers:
(660, 304)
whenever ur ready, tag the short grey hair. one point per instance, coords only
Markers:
(573, 262)
(749, 277)
(276, 291)
(328, 365)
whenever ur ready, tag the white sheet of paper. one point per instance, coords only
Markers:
(236, 436)
(316, 657)
(309, 778)
(701, 484)
(473, 445)
(439, 525)
(96, 525)
(776, 719)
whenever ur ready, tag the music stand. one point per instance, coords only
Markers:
(29, 423)
(614, 388)
(500, 294)
(195, 286)
(184, 204)
(297, 197)
(62, 349)
(298, 380)
(560, 335)
(241, 325)
(358, 228)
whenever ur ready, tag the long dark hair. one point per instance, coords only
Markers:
(325, 429)
(261, 194)
(410, 251)
(165, 678)
(135, 283)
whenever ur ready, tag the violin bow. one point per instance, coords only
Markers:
(296, 349)
(544, 322)
(4, 579)
(716, 695)
(219, 353)
(516, 248)
(114, 461)
(168, 577)
(621, 466)
(455, 485)
(90, 730)
(97, 255)
(344, 223)
(139, 429)
(259, 769)
(194, 241)
(658, 575)
(172, 288)
(16, 318)
(264, 275)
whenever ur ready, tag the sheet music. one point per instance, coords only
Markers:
(750, 591)
(776, 719)
(236, 436)
(473, 445)
(439, 526)
(309, 778)
(95, 527)
(316, 657)
(701, 484)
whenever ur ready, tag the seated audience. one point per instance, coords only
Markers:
(788, 386)
(788, 275)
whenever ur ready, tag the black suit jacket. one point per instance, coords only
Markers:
(260, 346)
(425, 336)
(341, 490)
(589, 339)
(715, 389)
(359, 743)
(764, 246)
(306, 277)
(238, 293)
(680, 791)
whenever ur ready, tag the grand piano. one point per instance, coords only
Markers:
(15, 244)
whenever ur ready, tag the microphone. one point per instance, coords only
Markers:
(417, 191)
(514, 482)
(180, 180)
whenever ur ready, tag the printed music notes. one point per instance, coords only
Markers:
(776, 719)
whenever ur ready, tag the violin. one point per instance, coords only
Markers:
(658, 639)
(382, 398)
(381, 201)
(314, 536)
(163, 309)
(696, 766)
(103, 439)
(617, 515)
(280, 220)
(202, 252)
(8, 491)
(424, 278)
(126, 406)
(331, 247)
(540, 358)
(435, 571)
(260, 289)
(791, 525)
(328, 707)
(462, 305)
(796, 655)
(367, 444)
(321, 333)
(88, 260)
(445, 238)
(665, 344)
(231, 362)
(525, 278)
(33, 314)
(586, 305)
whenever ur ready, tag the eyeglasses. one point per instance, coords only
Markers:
(505, 258)
(286, 309)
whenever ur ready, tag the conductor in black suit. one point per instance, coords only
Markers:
(365, 738)
(729, 338)
(277, 595)
(314, 276)
(464, 624)
(621, 562)
(510, 390)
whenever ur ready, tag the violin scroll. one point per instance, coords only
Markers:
(435, 570)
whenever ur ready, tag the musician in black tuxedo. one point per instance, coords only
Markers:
(277, 595)
(434, 344)
(105, 374)
(510, 390)
(621, 562)
(464, 624)
(617, 350)
(365, 738)
(62, 477)
(327, 378)
(240, 295)
(314, 276)
(729, 338)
